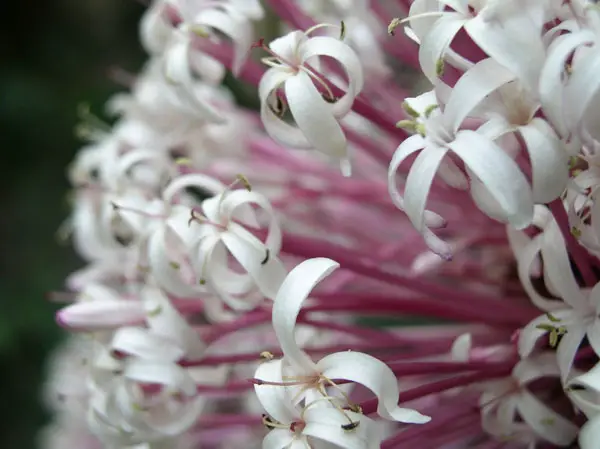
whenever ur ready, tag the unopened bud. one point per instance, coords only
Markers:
(91, 316)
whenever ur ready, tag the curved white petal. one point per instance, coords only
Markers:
(567, 348)
(500, 174)
(266, 269)
(419, 181)
(146, 345)
(472, 88)
(530, 334)
(376, 376)
(582, 87)
(556, 262)
(276, 400)
(178, 72)
(505, 42)
(409, 146)
(343, 54)
(233, 25)
(163, 319)
(278, 439)
(278, 129)
(314, 117)
(325, 423)
(168, 374)
(545, 422)
(435, 44)
(549, 160)
(589, 435)
(295, 289)
(524, 262)
(551, 84)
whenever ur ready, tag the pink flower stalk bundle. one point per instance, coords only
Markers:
(349, 266)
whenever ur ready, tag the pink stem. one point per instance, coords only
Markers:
(367, 304)
(370, 406)
(308, 247)
(228, 420)
(246, 321)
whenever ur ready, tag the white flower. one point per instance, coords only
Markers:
(311, 380)
(571, 320)
(190, 252)
(208, 20)
(510, 410)
(295, 58)
(322, 421)
(145, 395)
(502, 29)
(222, 232)
(496, 179)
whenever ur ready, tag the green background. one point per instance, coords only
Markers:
(53, 56)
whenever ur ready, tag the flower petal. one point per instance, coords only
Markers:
(168, 374)
(314, 117)
(278, 129)
(343, 54)
(325, 423)
(376, 376)
(500, 174)
(549, 161)
(472, 88)
(545, 422)
(567, 348)
(406, 148)
(276, 400)
(146, 345)
(435, 44)
(163, 319)
(295, 289)
(551, 76)
(558, 266)
(278, 439)
(589, 435)
(266, 269)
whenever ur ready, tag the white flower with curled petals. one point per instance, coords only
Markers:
(222, 234)
(295, 57)
(310, 380)
(510, 410)
(497, 183)
(292, 425)
(148, 401)
(139, 393)
(208, 20)
(567, 320)
(499, 28)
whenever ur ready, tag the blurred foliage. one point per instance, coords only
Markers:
(54, 55)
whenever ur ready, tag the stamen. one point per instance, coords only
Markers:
(396, 21)
(116, 208)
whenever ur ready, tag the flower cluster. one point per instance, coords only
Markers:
(249, 279)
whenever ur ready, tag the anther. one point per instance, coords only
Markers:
(266, 259)
(244, 182)
(266, 355)
(351, 426)
(342, 30)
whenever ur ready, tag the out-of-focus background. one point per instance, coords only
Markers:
(53, 56)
